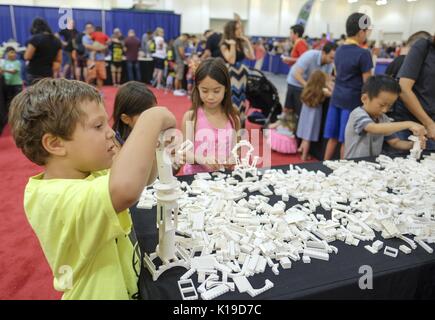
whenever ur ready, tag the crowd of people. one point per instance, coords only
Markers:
(346, 64)
(62, 125)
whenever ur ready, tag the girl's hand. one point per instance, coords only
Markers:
(212, 164)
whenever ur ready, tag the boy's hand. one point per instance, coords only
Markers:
(423, 141)
(417, 129)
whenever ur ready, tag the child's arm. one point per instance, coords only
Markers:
(131, 170)
(406, 145)
(388, 129)
(400, 144)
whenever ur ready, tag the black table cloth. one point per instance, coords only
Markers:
(405, 277)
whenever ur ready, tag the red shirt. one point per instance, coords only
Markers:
(99, 37)
(299, 49)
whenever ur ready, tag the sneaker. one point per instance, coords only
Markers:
(179, 93)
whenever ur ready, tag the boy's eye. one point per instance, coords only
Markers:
(99, 126)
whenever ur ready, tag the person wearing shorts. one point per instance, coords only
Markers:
(353, 66)
(97, 68)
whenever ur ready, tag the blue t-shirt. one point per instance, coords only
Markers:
(310, 61)
(351, 62)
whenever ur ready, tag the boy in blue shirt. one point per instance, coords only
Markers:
(353, 67)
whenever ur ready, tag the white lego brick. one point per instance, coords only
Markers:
(255, 292)
(212, 284)
(206, 262)
(391, 252)
(285, 263)
(306, 259)
(202, 287)
(316, 254)
(378, 245)
(242, 284)
(188, 274)
(187, 287)
(405, 249)
(371, 249)
(275, 269)
(426, 247)
(253, 262)
(261, 265)
(215, 292)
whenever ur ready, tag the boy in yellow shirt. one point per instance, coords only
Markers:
(77, 208)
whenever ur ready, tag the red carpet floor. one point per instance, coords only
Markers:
(24, 271)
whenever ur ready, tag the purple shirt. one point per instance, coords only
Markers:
(133, 45)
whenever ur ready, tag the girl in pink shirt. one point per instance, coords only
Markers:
(213, 122)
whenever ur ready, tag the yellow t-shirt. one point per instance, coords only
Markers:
(82, 235)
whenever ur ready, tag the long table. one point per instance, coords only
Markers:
(405, 277)
(146, 70)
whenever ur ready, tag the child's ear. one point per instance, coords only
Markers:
(126, 119)
(53, 145)
(365, 98)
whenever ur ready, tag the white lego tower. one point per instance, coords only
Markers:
(167, 194)
(243, 165)
(416, 151)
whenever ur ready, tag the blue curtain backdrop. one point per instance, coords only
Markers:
(141, 22)
(5, 24)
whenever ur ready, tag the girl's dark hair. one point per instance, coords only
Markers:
(39, 25)
(216, 69)
(433, 40)
(313, 95)
(230, 34)
(132, 99)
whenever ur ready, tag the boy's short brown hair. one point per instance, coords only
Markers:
(49, 106)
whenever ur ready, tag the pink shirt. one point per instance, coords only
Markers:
(211, 142)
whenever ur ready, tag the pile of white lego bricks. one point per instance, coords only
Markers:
(228, 233)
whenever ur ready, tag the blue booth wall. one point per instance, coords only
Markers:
(274, 64)
(141, 22)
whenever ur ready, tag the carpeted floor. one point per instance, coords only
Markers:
(24, 271)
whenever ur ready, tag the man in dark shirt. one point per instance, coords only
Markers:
(212, 47)
(417, 80)
(394, 67)
(132, 45)
(68, 35)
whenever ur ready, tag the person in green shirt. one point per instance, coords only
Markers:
(11, 70)
(76, 206)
